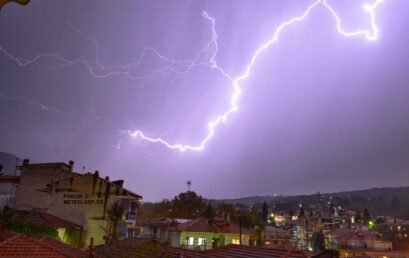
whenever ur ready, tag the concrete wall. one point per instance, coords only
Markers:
(7, 194)
(34, 178)
(88, 200)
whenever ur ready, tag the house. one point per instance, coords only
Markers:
(103, 208)
(369, 240)
(138, 247)
(8, 188)
(29, 246)
(68, 232)
(274, 236)
(199, 234)
(396, 231)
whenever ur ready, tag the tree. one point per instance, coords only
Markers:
(115, 214)
(302, 213)
(331, 208)
(227, 209)
(187, 205)
(209, 211)
(264, 212)
(358, 217)
(162, 209)
(396, 207)
(367, 216)
(318, 242)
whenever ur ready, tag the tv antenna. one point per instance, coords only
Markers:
(189, 184)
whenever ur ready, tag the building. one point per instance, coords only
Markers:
(274, 236)
(368, 240)
(9, 163)
(103, 208)
(138, 247)
(18, 245)
(8, 188)
(29, 246)
(68, 232)
(34, 178)
(396, 231)
(9, 179)
(198, 234)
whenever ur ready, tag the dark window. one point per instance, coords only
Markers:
(130, 232)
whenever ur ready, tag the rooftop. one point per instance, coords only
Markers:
(43, 219)
(137, 247)
(26, 246)
(208, 225)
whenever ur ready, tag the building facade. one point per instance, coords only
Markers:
(103, 208)
(197, 234)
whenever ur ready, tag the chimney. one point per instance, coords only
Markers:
(96, 173)
(119, 182)
(71, 165)
(26, 162)
(107, 178)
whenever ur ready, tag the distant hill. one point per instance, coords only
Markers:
(380, 201)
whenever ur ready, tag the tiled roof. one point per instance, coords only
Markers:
(58, 245)
(136, 247)
(44, 219)
(25, 246)
(196, 225)
(236, 251)
(206, 225)
(360, 236)
(162, 222)
(9, 178)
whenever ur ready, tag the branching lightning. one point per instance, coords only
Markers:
(235, 82)
(30, 102)
(183, 67)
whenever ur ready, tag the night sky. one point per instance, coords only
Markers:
(319, 111)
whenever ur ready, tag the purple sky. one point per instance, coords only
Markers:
(318, 112)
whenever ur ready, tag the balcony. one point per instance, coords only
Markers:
(130, 217)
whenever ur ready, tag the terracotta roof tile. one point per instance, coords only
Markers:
(196, 225)
(233, 251)
(136, 247)
(23, 246)
(44, 219)
(64, 248)
(206, 225)
(9, 178)
(30, 247)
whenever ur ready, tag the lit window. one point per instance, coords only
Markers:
(200, 241)
(235, 241)
(191, 239)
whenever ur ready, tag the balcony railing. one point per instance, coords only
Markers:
(130, 216)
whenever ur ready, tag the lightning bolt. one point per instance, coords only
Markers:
(183, 67)
(30, 102)
(369, 35)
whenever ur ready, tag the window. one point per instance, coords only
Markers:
(132, 209)
(201, 241)
(130, 232)
(191, 239)
(235, 241)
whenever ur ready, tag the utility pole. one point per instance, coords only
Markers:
(240, 227)
(188, 183)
